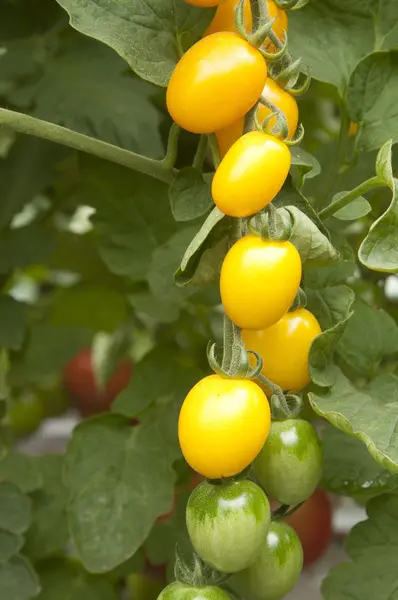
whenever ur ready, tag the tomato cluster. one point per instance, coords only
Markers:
(222, 86)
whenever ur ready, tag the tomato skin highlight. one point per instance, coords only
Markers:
(181, 591)
(277, 568)
(284, 348)
(313, 524)
(289, 466)
(275, 94)
(251, 174)
(224, 19)
(79, 380)
(202, 93)
(259, 281)
(227, 523)
(216, 413)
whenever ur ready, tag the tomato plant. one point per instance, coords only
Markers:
(227, 523)
(199, 252)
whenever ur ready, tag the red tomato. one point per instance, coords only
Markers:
(313, 524)
(79, 381)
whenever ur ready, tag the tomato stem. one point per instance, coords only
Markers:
(214, 150)
(172, 147)
(300, 300)
(366, 186)
(200, 153)
(281, 130)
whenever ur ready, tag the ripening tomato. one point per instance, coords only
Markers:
(216, 413)
(79, 381)
(227, 523)
(277, 568)
(224, 19)
(313, 524)
(182, 591)
(202, 95)
(275, 94)
(289, 466)
(251, 174)
(285, 347)
(203, 3)
(259, 281)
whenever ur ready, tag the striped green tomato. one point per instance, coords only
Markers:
(227, 523)
(181, 591)
(289, 466)
(277, 568)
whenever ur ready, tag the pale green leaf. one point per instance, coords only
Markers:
(15, 509)
(10, 545)
(18, 580)
(13, 323)
(22, 470)
(190, 195)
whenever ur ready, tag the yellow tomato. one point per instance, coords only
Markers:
(251, 174)
(278, 96)
(223, 425)
(224, 19)
(259, 281)
(203, 2)
(353, 129)
(284, 348)
(217, 81)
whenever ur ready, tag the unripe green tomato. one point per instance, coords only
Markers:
(289, 466)
(227, 523)
(181, 591)
(277, 568)
(25, 414)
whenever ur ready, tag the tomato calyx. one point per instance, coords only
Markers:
(285, 511)
(198, 573)
(235, 361)
(291, 4)
(283, 406)
(269, 224)
(245, 474)
(300, 301)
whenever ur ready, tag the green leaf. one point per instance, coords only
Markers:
(88, 305)
(13, 323)
(107, 352)
(371, 335)
(24, 246)
(341, 35)
(211, 232)
(371, 99)
(154, 307)
(349, 469)
(290, 196)
(10, 545)
(307, 164)
(62, 579)
(314, 247)
(165, 261)
(120, 479)
(15, 509)
(48, 532)
(173, 380)
(369, 414)
(18, 580)
(332, 307)
(371, 545)
(355, 210)
(133, 216)
(36, 160)
(22, 470)
(149, 36)
(85, 88)
(190, 195)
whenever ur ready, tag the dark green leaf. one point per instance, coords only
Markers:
(13, 323)
(22, 470)
(18, 580)
(120, 479)
(371, 335)
(15, 509)
(290, 196)
(150, 305)
(150, 36)
(60, 579)
(369, 414)
(371, 546)
(10, 545)
(349, 469)
(24, 246)
(190, 195)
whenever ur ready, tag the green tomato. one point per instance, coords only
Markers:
(25, 414)
(277, 568)
(289, 466)
(227, 523)
(181, 591)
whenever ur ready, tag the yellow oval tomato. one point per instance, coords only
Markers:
(223, 425)
(259, 281)
(251, 174)
(224, 19)
(284, 348)
(217, 81)
(275, 94)
(203, 2)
